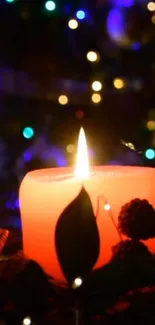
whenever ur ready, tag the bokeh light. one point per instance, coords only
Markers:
(92, 56)
(115, 25)
(96, 86)
(28, 132)
(77, 283)
(136, 46)
(150, 154)
(28, 156)
(70, 148)
(80, 14)
(63, 100)
(118, 83)
(80, 114)
(73, 24)
(50, 5)
(150, 125)
(9, 1)
(124, 3)
(107, 207)
(131, 146)
(27, 321)
(96, 98)
(153, 19)
(151, 6)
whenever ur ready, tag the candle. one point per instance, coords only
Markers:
(45, 193)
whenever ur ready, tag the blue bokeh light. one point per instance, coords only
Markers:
(61, 162)
(136, 46)
(28, 156)
(54, 154)
(150, 154)
(115, 24)
(124, 3)
(12, 201)
(9, 1)
(28, 132)
(50, 5)
(80, 14)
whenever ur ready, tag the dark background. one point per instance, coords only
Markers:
(41, 58)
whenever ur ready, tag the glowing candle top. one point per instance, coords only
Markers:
(82, 161)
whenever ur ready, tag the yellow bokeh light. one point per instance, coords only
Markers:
(131, 146)
(92, 56)
(96, 98)
(151, 6)
(77, 283)
(96, 86)
(153, 19)
(73, 24)
(70, 148)
(151, 125)
(118, 83)
(63, 99)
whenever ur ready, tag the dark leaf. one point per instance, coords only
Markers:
(77, 238)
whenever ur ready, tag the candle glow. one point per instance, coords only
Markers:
(82, 163)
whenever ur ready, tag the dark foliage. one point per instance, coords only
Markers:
(104, 286)
(137, 220)
(130, 249)
(26, 290)
(77, 237)
(25, 285)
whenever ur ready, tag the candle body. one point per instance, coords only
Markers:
(45, 193)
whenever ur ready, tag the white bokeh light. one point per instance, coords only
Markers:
(107, 207)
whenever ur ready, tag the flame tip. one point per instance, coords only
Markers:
(82, 164)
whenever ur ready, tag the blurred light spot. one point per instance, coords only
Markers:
(150, 154)
(9, 1)
(63, 99)
(50, 5)
(107, 207)
(151, 125)
(70, 148)
(61, 162)
(73, 24)
(153, 19)
(151, 6)
(27, 321)
(12, 202)
(137, 85)
(91, 153)
(77, 283)
(80, 14)
(28, 132)
(131, 146)
(92, 56)
(28, 156)
(67, 8)
(96, 98)
(136, 46)
(115, 25)
(124, 3)
(118, 83)
(96, 86)
(80, 114)
(17, 203)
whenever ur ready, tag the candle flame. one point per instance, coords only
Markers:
(82, 161)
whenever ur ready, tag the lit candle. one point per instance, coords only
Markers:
(45, 193)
